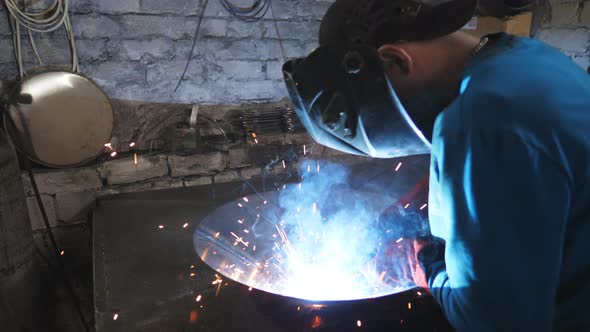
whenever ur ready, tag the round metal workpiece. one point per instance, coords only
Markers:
(60, 118)
(325, 252)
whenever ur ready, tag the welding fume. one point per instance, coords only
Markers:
(505, 120)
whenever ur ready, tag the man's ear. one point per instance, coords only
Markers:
(394, 55)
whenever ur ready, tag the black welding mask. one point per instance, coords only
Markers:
(341, 92)
(346, 102)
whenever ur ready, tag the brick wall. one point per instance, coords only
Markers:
(137, 49)
(565, 24)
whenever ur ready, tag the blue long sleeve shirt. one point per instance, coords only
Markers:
(510, 193)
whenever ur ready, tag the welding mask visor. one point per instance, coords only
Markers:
(345, 101)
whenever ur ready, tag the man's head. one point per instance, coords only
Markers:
(417, 41)
(380, 75)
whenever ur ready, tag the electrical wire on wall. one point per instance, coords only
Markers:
(252, 13)
(47, 20)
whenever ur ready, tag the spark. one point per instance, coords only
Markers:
(250, 289)
(199, 297)
(161, 226)
(254, 248)
(315, 207)
(256, 141)
(109, 145)
(240, 205)
(185, 225)
(246, 231)
(193, 274)
(115, 316)
(409, 305)
(284, 165)
(304, 150)
(298, 308)
(407, 206)
(359, 323)
(419, 293)
(265, 202)
(135, 158)
(240, 221)
(114, 154)
(398, 166)
(318, 306)
(308, 168)
(253, 135)
(132, 144)
(423, 206)
(399, 240)
(299, 185)
(382, 276)
(62, 253)
(217, 235)
(245, 199)
(192, 266)
(318, 166)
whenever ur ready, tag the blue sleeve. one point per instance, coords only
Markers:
(502, 210)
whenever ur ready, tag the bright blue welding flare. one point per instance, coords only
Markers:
(316, 241)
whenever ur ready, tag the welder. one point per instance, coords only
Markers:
(506, 120)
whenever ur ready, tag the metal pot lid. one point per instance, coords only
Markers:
(61, 119)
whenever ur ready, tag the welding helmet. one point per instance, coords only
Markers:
(341, 92)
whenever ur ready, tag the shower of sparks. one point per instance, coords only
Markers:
(185, 225)
(302, 253)
(399, 165)
(423, 206)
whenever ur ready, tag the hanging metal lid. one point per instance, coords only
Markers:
(59, 118)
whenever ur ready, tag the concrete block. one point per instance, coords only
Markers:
(241, 29)
(158, 48)
(150, 185)
(214, 27)
(253, 90)
(238, 157)
(229, 176)
(64, 180)
(197, 181)
(35, 213)
(72, 206)
(309, 30)
(252, 172)
(7, 54)
(142, 26)
(91, 26)
(124, 170)
(243, 49)
(203, 164)
(240, 70)
(274, 69)
(118, 6)
(569, 14)
(576, 41)
(94, 50)
(116, 73)
(184, 7)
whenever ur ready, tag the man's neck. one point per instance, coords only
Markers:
(457, 52)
